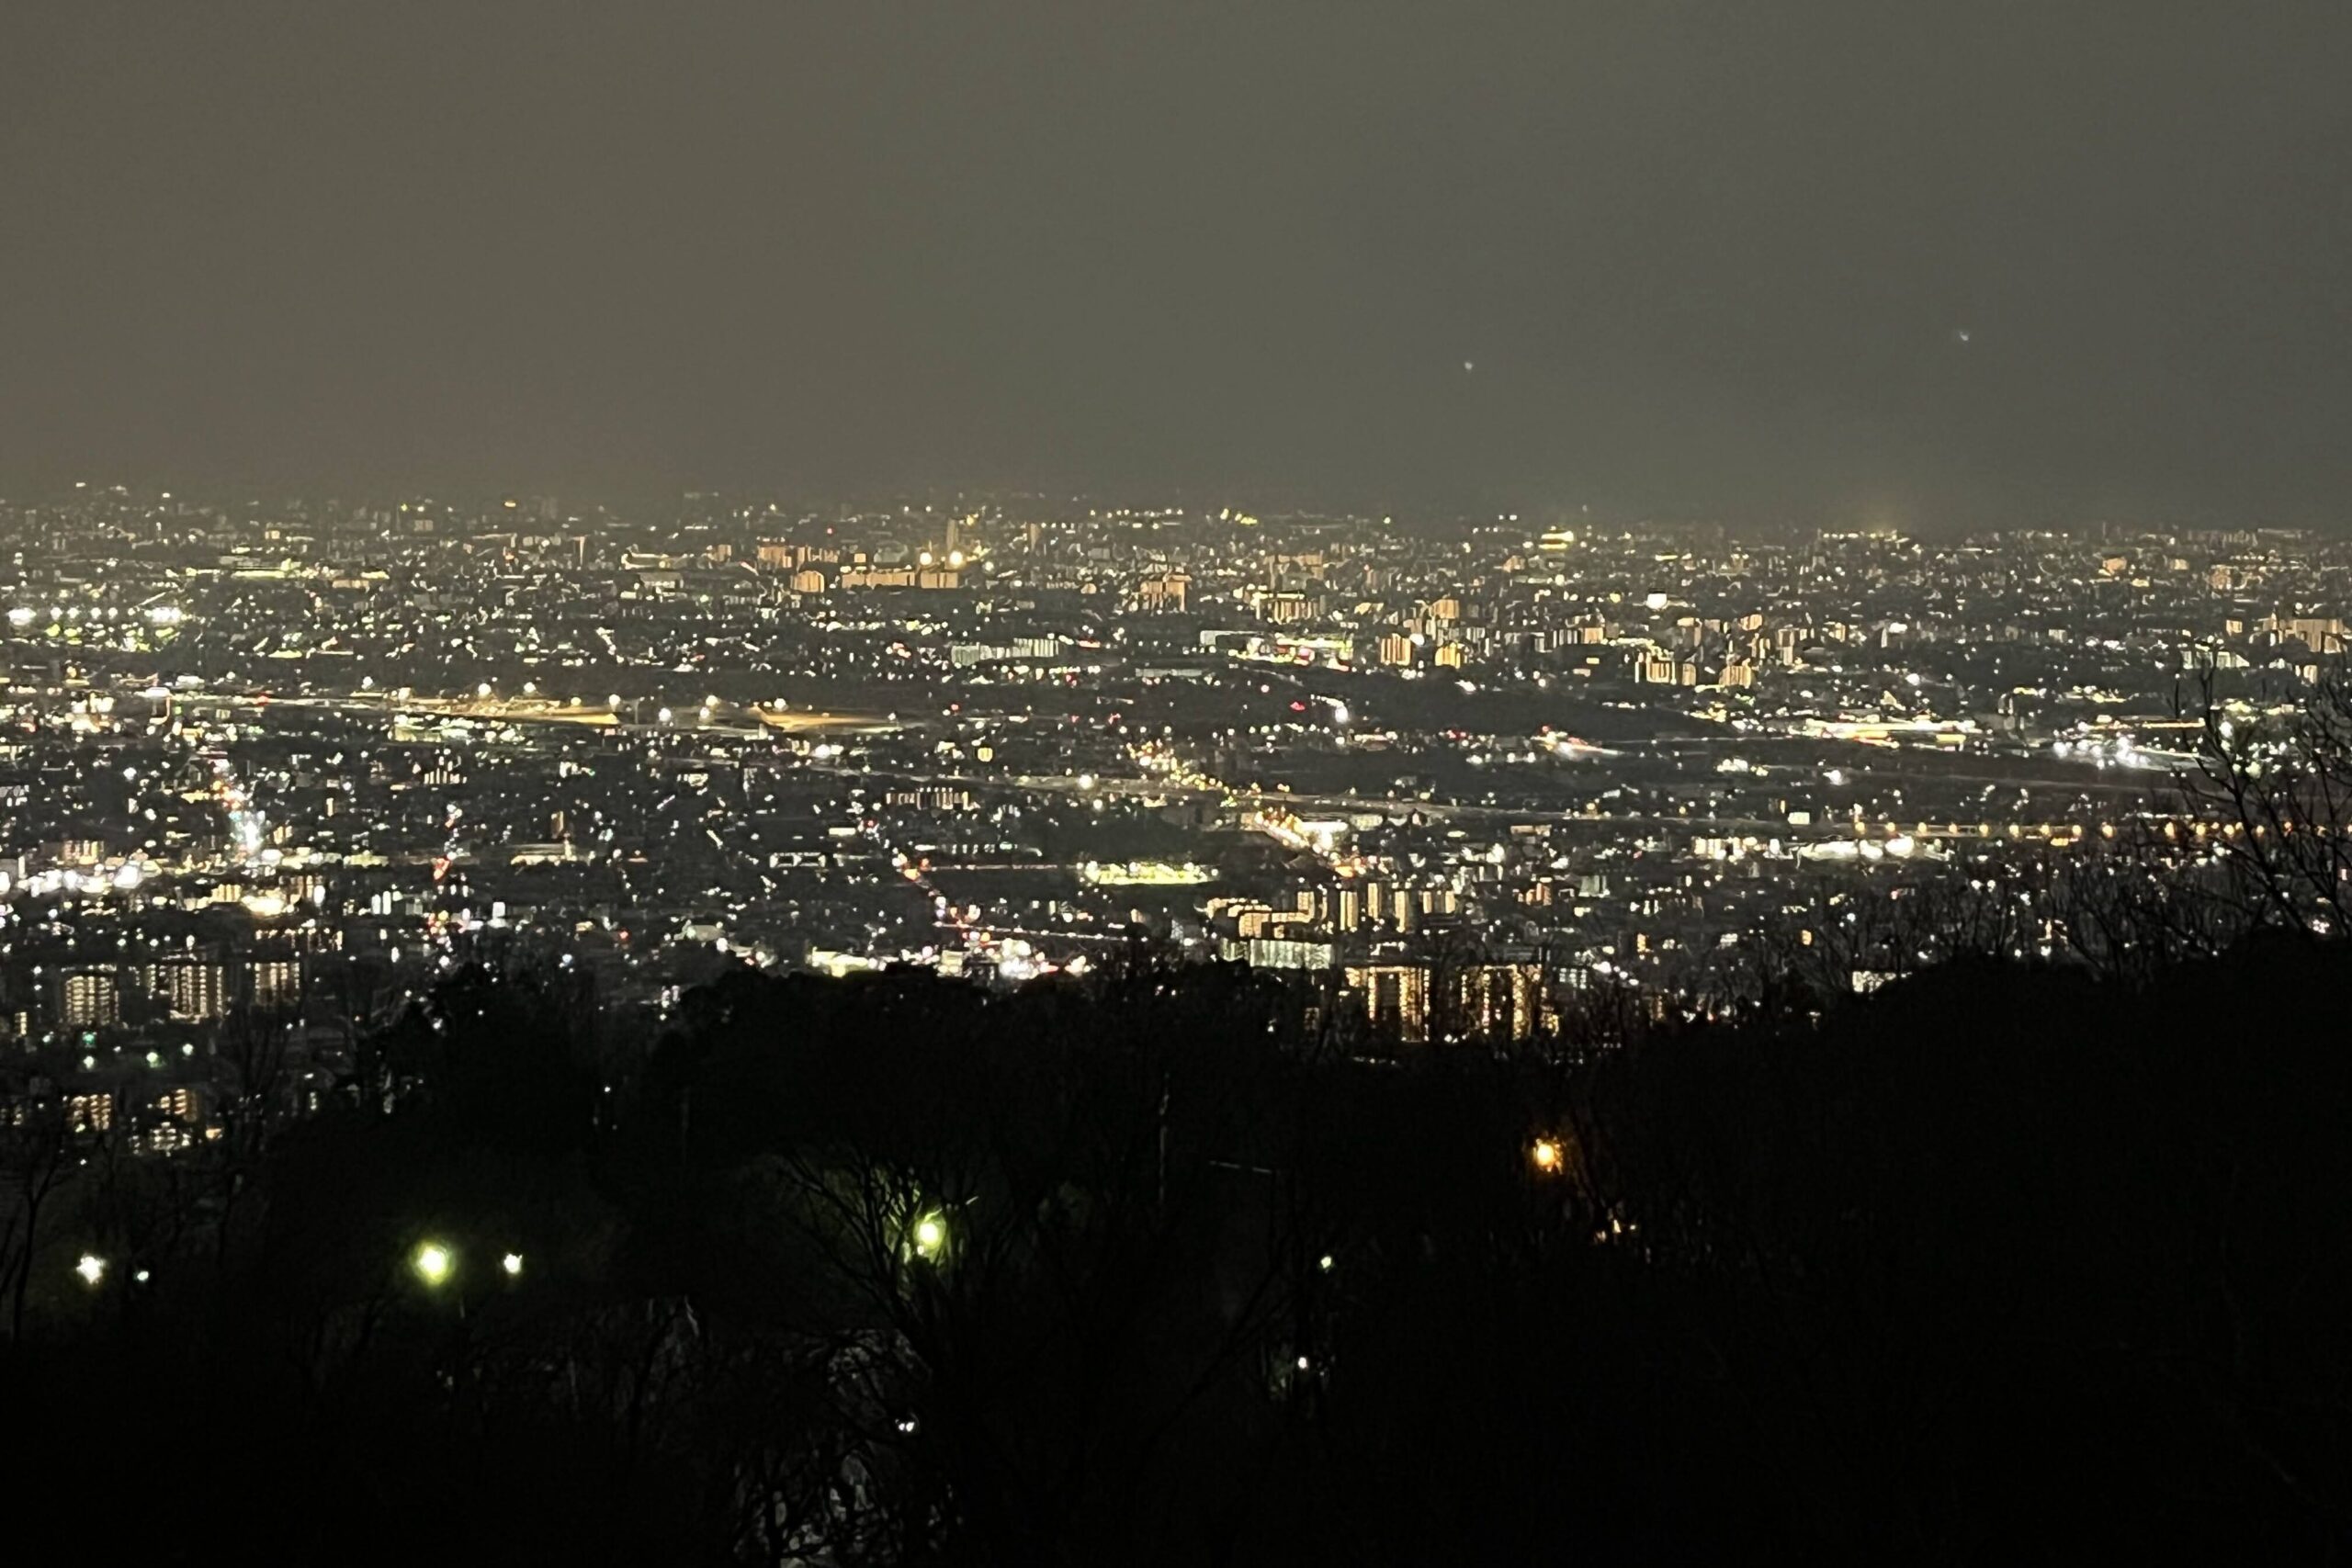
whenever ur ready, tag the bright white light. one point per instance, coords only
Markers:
(91, 1269)
(512, 1263)
(433, 1263)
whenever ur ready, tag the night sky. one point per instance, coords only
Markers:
(1927, 264)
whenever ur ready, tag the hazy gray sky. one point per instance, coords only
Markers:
(1704, 257)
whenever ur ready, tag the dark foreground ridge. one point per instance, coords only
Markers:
(2001, 1264)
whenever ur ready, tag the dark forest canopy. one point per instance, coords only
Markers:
(2004, 1262)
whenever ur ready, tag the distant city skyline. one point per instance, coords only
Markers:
(879, 782)
(788, 506)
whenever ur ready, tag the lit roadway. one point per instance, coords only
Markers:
(690, 722)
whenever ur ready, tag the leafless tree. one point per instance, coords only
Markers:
(2277, 786)
(38, 1154)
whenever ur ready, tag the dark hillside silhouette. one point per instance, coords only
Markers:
(2004, 1262)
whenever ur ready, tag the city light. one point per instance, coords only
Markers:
(434, 1263)
(1789, 909)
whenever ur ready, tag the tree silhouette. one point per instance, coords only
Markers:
(2007, 1258)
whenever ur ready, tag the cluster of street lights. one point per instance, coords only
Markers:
(91, 1269)
(436, 1264)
